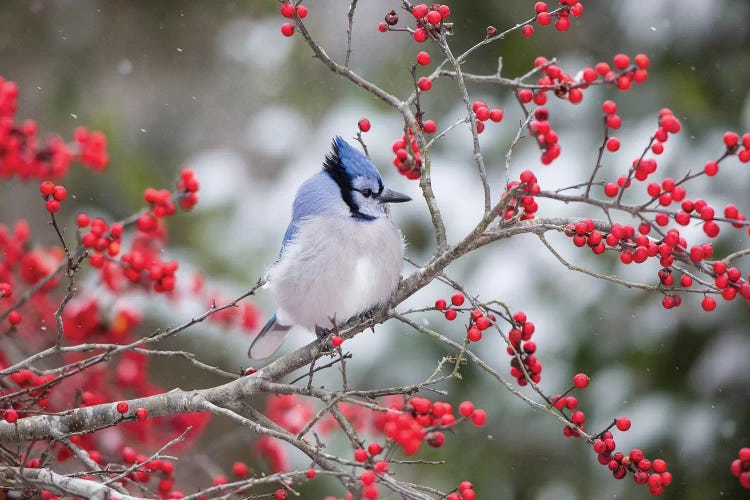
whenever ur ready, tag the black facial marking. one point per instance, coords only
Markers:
(335, 169)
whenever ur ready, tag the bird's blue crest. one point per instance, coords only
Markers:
(344, 160)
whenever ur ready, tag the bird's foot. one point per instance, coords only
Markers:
(322, 332)
(368, 315)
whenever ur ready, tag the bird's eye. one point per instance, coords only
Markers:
(366, 193)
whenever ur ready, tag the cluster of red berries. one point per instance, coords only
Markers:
(141, 414)
(407, 159)
(162, 469)
(289, 11)
(642, 168)
(92, 148)
(187, 188)
(526, 202)
(465, 492)
(477, 324)
(246, 315)
(741, 467)
(585, 234)
(565, 402)
(652, 473)
(730, 282)
(640, 248)
(568, 8)
(161, 274)
(457, 299)
(100, 238)
(604, 445)
(25, 155)
(429, 20)
(482, 113)
(546, 137)
(734, 146)
(162, 201)
(522, 349)
(53, 194)
(571, 88)
(370, 475)
(420, 420)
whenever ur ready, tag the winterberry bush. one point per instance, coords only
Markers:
(88, 411)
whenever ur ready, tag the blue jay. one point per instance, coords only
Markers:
(341, 254)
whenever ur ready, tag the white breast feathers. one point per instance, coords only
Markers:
(336, 267)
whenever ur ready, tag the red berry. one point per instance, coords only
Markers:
(540, 7)
(711, 168)
(457, 299)
(496, 115)
(287, 29)
(360, 455)
(420, 35)
(429, 126)
(450, 314)
(544, 18)
(15, 318)
(708, 304)
(382, 27)
(445, 11)
(424, 83)
(141, 414)
(337, 340)
(52, 206)
(527, 30)
(371, 492)
(466, 409)
(60, 193)
(479, 417)
(310, 473)
(419, 11)
(581, 380)
(374, 449)
(47, 188)
(122, 407)
(483, 113)
(621, 61)
(474, 334)
(575, 96)
(578, 417)
(435, 439)
(423, 58)
(83, 220)
(623, 423)
(611, 189)
(364, 124)
(614, 121)
(731, 139)
(302, 11)
(434, 17)
(440, 304)
(562, 24)
(239, 469)
(11, 416)
(642, 61)
(613, 144)
(287, 10)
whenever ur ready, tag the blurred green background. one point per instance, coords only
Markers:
(214, 86)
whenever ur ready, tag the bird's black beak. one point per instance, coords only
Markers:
(390, 196)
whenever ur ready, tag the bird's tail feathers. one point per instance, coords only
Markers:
(268, 340)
